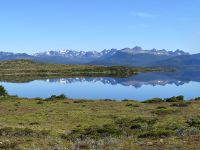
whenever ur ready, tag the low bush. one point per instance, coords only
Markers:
(55, 97)
(8, 131)
(164, 111)
(34, 123)
(197, 98)
(109, 100)
(194, 122)
(93, 132)
(154, 100)
(19, 132)
(181, 104)
(8, 145)
(158, 133)
(78, 101)
(132, 105)
(40, 102)
(136, 126)
(175, 99)
(173, 126)
(3, 92)
(128, 100)
(191, 131)
(140, 123)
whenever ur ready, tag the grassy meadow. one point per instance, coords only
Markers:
(62, 123)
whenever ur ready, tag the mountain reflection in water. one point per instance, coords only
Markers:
(159, 78)
(139, 87)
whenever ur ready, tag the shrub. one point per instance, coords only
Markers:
(173, 125)
(34, 123)
(17, 104)
(180, 98)
(79, 101)
(161, 107)
(8, 145)
(175, 99)
(197, 98)
(128, 100)
(132, 105)
(5, 131)
(164, 111)
(191, 131)
(109, 100)
(154, 100)
(128, 124)
(40, 102)
(3, 92)
(55, 97)
(194, 122)
(93, 132)
(136, 126)
(158, 133)
(19, 132)
(180, 104)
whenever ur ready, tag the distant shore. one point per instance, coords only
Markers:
(27, 70)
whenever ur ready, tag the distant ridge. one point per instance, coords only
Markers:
(136, 56)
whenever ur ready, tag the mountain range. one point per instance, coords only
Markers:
(136, 56)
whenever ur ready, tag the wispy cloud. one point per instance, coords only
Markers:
(143, 14)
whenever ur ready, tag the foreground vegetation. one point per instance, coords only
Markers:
(27, 70)
(61, 123)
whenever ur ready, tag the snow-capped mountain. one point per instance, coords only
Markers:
(136, 56)
(76, 54)
(105, 53)
(138, 50)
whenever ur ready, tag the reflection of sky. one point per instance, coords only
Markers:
(98, 90)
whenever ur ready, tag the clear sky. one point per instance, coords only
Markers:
(38, 25)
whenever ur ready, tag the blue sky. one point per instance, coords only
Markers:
(38, 25)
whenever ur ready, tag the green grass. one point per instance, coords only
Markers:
(62, 123)
(27, 70)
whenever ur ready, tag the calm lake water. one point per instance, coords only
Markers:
(140, 87)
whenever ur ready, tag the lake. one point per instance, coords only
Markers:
(139, 87)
